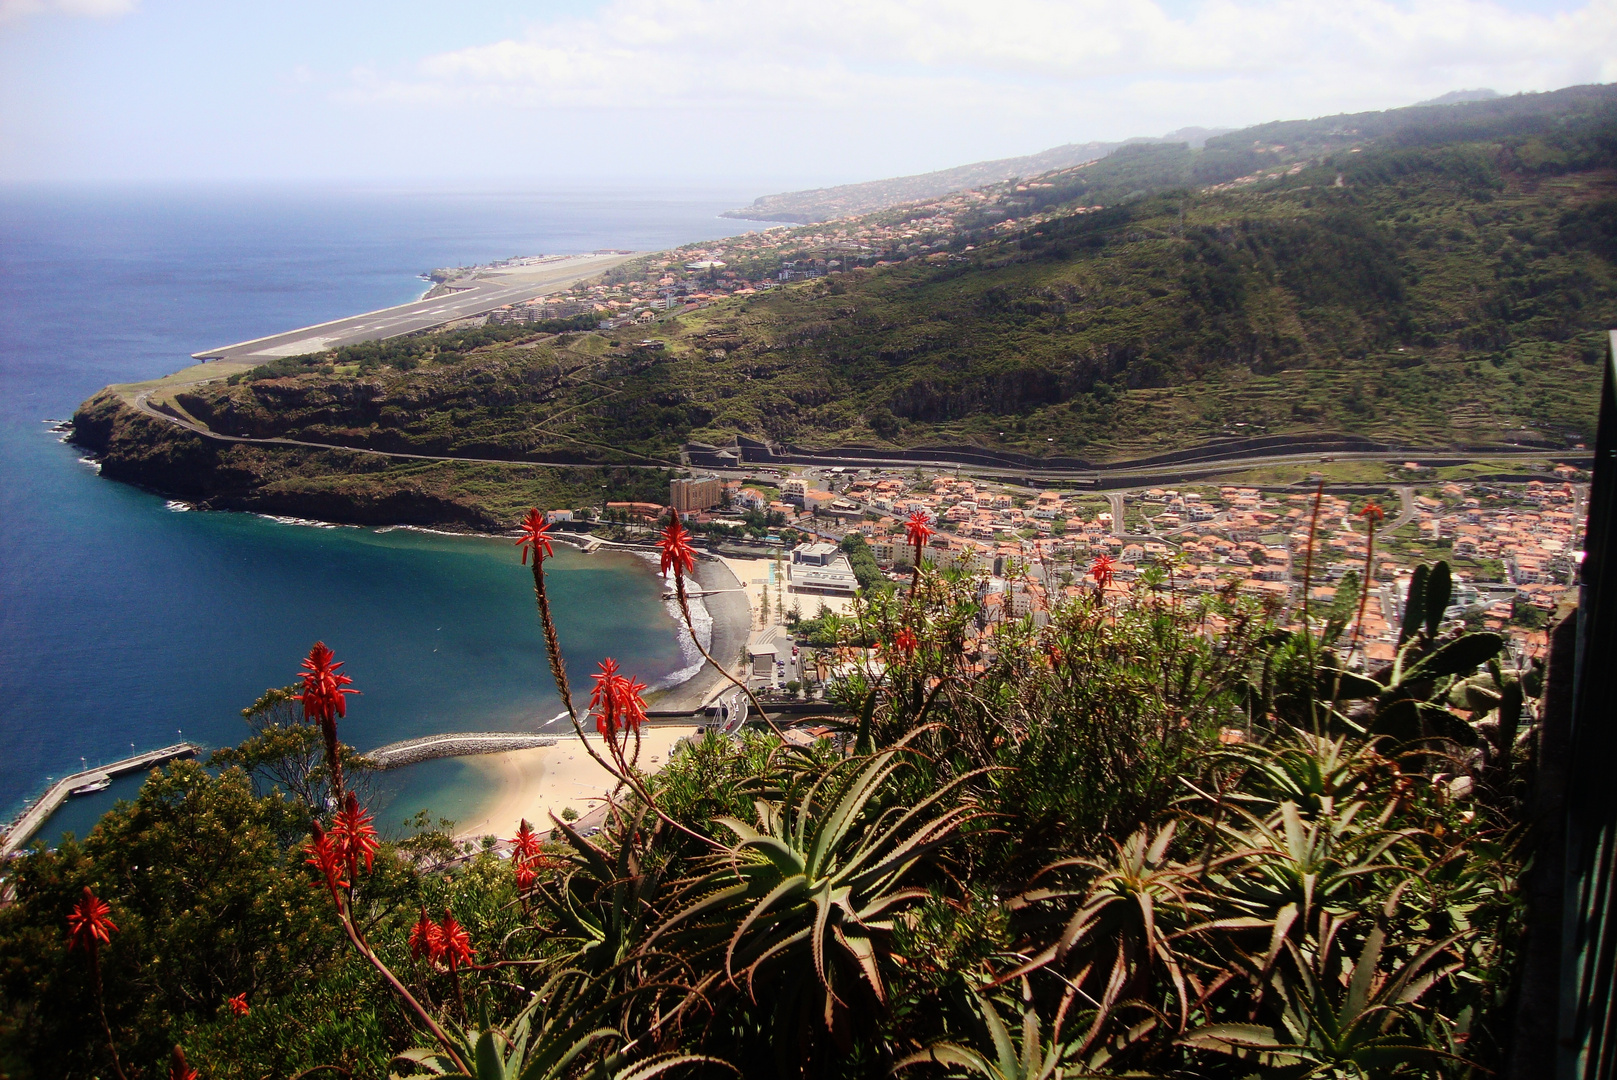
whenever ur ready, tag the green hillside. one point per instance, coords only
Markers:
(1433, 276)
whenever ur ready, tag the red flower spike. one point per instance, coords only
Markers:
(906, 642)
(616, 701)
(323, 687)
(354, 836)
(526, 876)
(323, 856)
(89, 924)
(604, 679)
(426, 939)
(526, 844)
(1103, 569)
(534, 536)
(918, 530)
(177, 1068)
(1373, 513)
(457, 943)
(238, 1005)
(675, 545)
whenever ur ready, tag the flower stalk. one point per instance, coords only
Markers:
(679, 556)
(89, 926)
(1373, 515)
(336, 853)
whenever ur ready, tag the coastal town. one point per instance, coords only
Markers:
(802, 537)
(691, 277)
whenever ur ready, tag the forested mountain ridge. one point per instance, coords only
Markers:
(1439, 279)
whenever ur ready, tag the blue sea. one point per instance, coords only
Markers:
(126, 624)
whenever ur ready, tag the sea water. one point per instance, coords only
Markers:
(127, 623)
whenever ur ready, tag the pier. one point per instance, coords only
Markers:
(30, 820)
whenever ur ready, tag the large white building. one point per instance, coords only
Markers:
(822, 568)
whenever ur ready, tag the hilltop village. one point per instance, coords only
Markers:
(1512, 546)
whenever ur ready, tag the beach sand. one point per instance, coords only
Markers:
(533, 784)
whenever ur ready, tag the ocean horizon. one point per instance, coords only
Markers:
(127, 623)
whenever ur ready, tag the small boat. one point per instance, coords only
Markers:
(100, 783)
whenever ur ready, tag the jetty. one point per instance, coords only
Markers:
(39, 811)
(456, 744)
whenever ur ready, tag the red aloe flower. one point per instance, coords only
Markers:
(238, 1004)
(616, 701)
(1373, 513)
(1053, 651)
(1103, 569)
(526, 844)
(526, 875)
(918, 530)
(534, 530)
(354, 835)
(324, 856)
(905, 641)
(89, 924)
(604, 679)
(426, 939)
(177, 1068)
(457, 943)
(675, 545)
(323, 687)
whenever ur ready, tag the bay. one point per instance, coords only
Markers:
(124, 623)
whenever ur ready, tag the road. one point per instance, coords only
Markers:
(1406, 513)
(1129, 475)
(471, 296)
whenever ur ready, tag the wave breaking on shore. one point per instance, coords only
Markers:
(689, 653)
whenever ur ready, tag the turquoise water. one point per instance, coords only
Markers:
(439, 634)
(123, 623)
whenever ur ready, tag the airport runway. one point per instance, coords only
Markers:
(471, 296)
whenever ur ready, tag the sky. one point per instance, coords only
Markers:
(778, 93)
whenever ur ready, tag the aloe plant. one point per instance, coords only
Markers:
(1020, 1052)
(562, 1027)
(1306, 769)
(806, 901)
(603, 899)
(1326, 1025)
(1129, 908)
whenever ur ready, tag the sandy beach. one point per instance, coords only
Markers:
(536, 783)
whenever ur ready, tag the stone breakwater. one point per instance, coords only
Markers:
(458, 744)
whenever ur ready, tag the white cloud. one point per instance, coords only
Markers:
(99, 9)
(1112, 64)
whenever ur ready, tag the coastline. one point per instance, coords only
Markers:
(731, 615)
(729, 604)
(534, 784)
